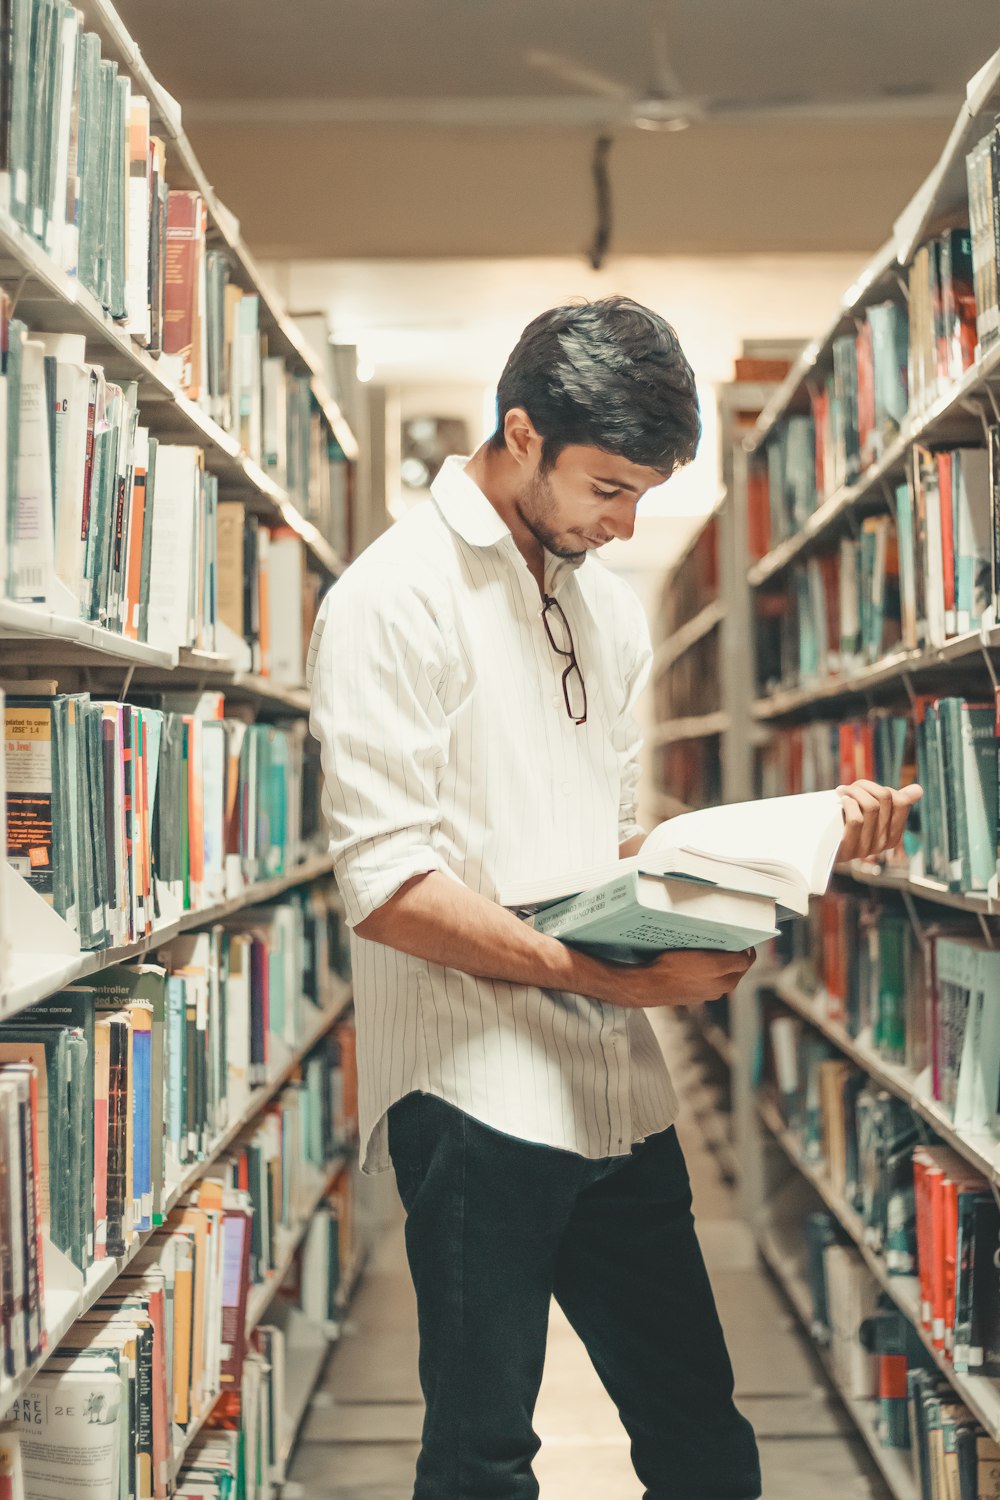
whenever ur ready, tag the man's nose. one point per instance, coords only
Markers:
(620, 523)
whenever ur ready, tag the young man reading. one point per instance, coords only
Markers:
(474, 676)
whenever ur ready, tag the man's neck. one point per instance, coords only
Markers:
(497, 476)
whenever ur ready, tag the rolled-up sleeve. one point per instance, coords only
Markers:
(376, 670)
(626, 734)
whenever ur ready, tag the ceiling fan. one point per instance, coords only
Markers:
(664, 105)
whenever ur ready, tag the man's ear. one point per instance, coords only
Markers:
(524, 442)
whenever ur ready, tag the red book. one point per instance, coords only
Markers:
(866, 395)
(921, 1163)
(186, 227)
(821, 421)
(947, 539)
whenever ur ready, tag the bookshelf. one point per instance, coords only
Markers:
(820, 484)
(56, 638)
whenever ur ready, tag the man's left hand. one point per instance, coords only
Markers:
(874, 817)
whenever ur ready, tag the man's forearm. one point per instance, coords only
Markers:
(436, 918)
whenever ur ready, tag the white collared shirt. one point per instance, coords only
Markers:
(437, 701)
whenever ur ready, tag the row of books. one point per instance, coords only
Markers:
(948, 745)
(82, 173)
(923, 1208)
(117, 1089)
(122, 817)
(924, 1002)
(900, 360)
(694, 583)
(169, 1349)
(108, 524)
(983, 179)
(690, 685)
(915, 578)
(690, 771)
(875, 1354)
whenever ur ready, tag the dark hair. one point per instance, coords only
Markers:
(608, 374)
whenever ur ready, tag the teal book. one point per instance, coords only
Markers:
(976, 789)
(73, 1011)
(633, 918)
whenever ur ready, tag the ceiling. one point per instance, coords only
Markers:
(291, 108)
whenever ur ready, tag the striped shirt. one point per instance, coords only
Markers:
(437, 702)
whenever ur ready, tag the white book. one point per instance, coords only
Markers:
(173, 546)
(286, 566)
(33, 535)
(779, 847)
(70, 1428)
(137, 223)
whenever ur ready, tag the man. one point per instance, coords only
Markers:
(474, 678)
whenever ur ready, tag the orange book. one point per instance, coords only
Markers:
(185, 1250)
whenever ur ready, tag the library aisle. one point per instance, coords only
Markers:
(360, 1439)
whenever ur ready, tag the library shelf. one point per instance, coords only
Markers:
(34, 975)
(980, 1393)
(70, 638)
(893, 1463)
(259, 1300)
(951, 417)
(695, 727)
(980, 1150)
(712, 1035)
(49, 300)
(185, 171)
(685, 636)
(976, 903)
(877, 277)
(969, 651)
(261, 1297)
(62, 1309)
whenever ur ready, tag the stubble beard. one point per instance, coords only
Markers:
(535, 506)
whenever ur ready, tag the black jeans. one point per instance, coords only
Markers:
(497, 1226)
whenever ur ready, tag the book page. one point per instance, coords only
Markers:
(801, 833)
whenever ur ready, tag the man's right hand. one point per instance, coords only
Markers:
(685, 976)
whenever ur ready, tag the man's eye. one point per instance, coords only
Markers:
(604, 494)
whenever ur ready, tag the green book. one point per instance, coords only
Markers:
(88, 158)
(117, 190)
(21, 95)
(976, 782)
(633, 918)
(73, 1010)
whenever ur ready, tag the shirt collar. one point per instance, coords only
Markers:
(468, 512)
(465, 507)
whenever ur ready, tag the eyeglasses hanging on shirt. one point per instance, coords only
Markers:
(561, 640)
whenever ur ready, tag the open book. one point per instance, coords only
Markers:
(782, 848)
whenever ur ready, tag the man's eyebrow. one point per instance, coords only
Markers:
(617, 484)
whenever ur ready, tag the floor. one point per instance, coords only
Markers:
(360, 1439)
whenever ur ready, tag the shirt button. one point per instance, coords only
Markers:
(566, 788)
(555, 701)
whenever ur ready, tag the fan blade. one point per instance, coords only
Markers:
(665, 81)
(576, 74)
(832, 111)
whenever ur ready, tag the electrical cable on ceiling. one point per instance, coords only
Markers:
(602, 187)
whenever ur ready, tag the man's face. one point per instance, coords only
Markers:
(586, 499)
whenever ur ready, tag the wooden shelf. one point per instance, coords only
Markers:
(982, 1151)
(894, 1463)
(696, 727)
(963, 652)
(35, 977)
(62, 1312)
(688, 634)
(980, 1393)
